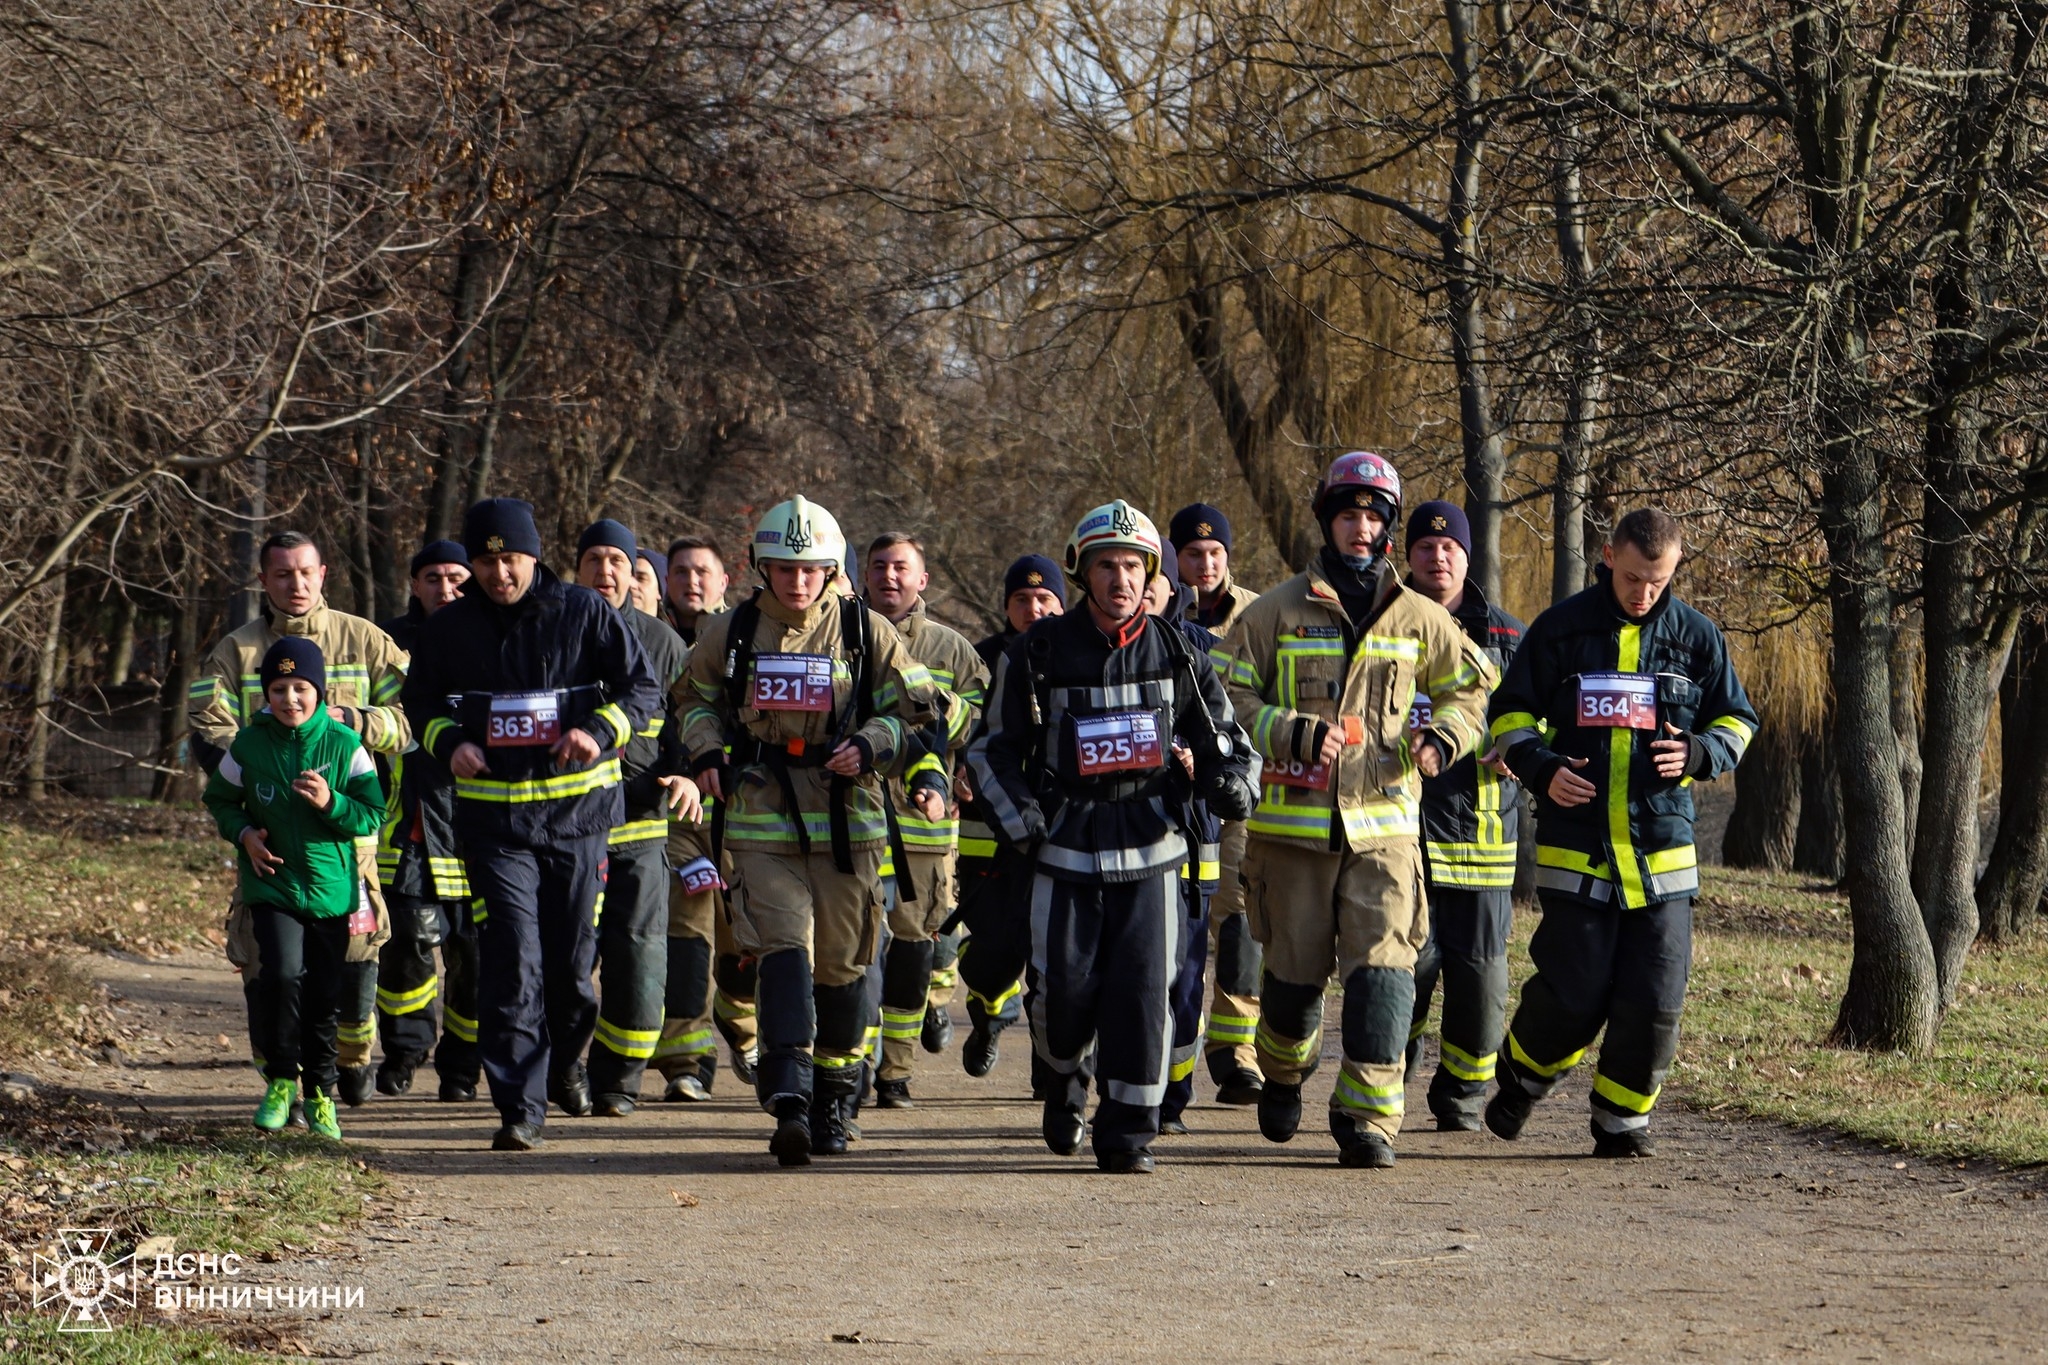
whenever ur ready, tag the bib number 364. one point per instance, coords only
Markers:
(1618, 701)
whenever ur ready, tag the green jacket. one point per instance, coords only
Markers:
(253, 786)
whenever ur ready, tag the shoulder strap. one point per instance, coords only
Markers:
(854, 628)
(739, 650)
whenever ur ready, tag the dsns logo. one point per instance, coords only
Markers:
(796, 536)
(79, 1276)
(1122, 522)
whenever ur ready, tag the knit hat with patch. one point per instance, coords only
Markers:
(295, 657)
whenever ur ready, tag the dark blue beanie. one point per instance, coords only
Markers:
(1199, 521)
(1439, 519)
(439, 552)
(499, 526)
(611, 534)
(1032, 571)
(294, 656)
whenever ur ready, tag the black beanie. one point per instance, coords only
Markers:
(1032, 571)
(1439, 519)
(499, 526)
(1199, 521)
(438, 552)
(614, 535)
(294, 656)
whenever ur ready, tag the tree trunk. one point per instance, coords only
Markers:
(1764, 825)
(45, 695)
(1585, 381)
(1817, 847)
(121, 652)
(1907, 647)
(452, 451)
(243, 546)
(1485, 457)
(179, 673)
(362, 568)
(2010, 893)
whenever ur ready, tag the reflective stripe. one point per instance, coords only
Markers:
(438, 726)
(902, 1025)
(1232, 1029)
(407, 1002)
(614, 715)
(1528, 1063)
(995, 1006)
(1620, 748)
(725, 1007)
(637, 832)
(1351, 1093)
(451, 878)
(1464, 1065)
(654, 727)
(1295, 1053)
(693, 1044)
(1418, 1028)
(833, 1062)
(977, 848)
(1618, 1094)
(462, 1027)
(356, 1033)
(627, 1042)
(605, 774)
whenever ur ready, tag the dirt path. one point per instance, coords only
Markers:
(950, 1229)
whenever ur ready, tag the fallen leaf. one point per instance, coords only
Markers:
(684, 1199)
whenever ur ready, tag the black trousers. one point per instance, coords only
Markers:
(536, 948)
(408, 986)
(1103, 960)
(632, 966)
(455, 1056)
(298, 993)
(1186, 1002)
(1468, 952)
(1601, 966)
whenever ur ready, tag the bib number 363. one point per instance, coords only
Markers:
(1618, 701)
(524, 720)
(793, 682)
(1122, 741)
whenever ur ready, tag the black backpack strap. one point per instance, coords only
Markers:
(853, 640)
(739, 661)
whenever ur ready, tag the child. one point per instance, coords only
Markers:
(293, 793)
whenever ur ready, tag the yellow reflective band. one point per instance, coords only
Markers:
(1233, 1029)
(437, 727)
(725, 1007)
(1530, 1064)
(1672, 859)
(634, 1043)
(1293, 1053)
(1418, 1028)
(695, 1043)
(1571, 860)
(462, 1028)
(1181, 1070)
(407, 1002)
(637, 832)
(1511, 721)
(902, 1025)
(1464, 1065)
(605, 774)
(1620, 748)
(977, 848)
(1208, 870)
(1352, 1093)
(828, 1062)
(1740, 729)
(654, 727)
(356, 1033)
(1633, 1101)
(614, 715)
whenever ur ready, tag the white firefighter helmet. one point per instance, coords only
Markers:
(799, 531)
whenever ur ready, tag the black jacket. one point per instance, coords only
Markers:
(653, 752)
(1028, 762)
(417, 854)
(1634, 840)
(1471, 818)
(560, 639)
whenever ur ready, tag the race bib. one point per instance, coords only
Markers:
(700, 874)
(1295, 773)
(1618, 701)
(1420, 713)
(1122, 741)
(524, 720)
(793, 682)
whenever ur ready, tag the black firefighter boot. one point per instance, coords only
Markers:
(792, 1141)
(835, 1091)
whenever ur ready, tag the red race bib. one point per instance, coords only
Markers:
(524, 720)
(700, 874)
(792, 682)
(1122, 741)
(1420, 713)
(1294, 773)
(1618, 701)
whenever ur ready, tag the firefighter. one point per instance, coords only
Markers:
(896, 580)
(632, 928)
(1619, 699)
(1324, 670)
(817, 700)
(427, 890)
(1470, 815)
(1202, 544)
(1102, 726)
(649, 570)
(527, 689)
(990, 962)
(365, 672)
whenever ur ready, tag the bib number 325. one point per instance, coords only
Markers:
(1618, 701)
(1123, 741)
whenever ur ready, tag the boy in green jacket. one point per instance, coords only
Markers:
(293, 794)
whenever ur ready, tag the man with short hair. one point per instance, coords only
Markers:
(929, 822)
(527, 689)
(697, 584)
(1470, 814)
(1103, 727)
(632, 930)
(365, 672)
(990, 963)
(1202, 545)
(649, 569)
(420, 865)
(1619, 699)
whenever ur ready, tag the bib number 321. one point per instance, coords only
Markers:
(1618, 701)
(524, 720)
(1123, 741)
(792, 682)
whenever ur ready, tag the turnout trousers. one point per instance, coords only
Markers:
(1468, 951)
(536, 947)
(632, 966)
(812, 931)
(1600, 965)
(1363, 917)
(907, 961)
(1186, 1001)
(408, 984)
(1234, 1003)
(697, 935)
(1103, 961)
(455, 1056)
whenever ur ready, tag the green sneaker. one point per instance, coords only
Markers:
(320, 1115)
(277, 1105)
